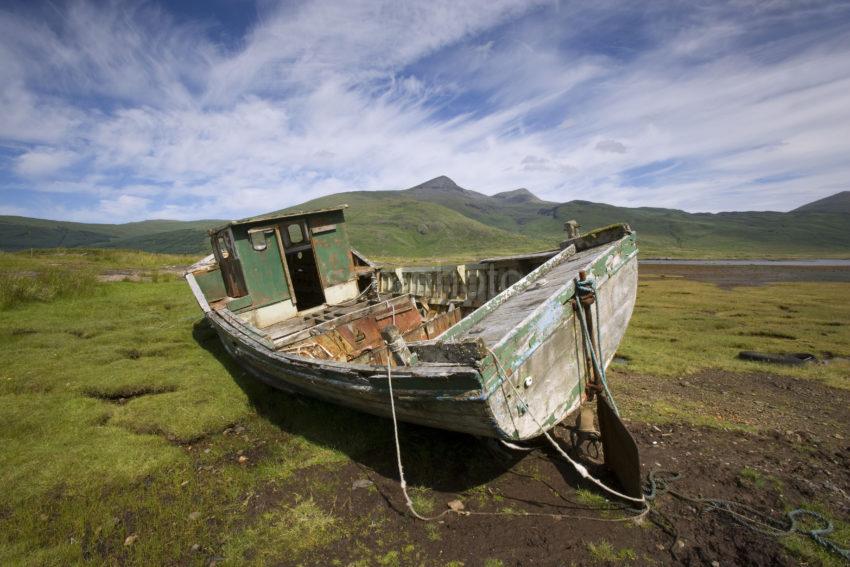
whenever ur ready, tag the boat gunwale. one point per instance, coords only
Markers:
(459, 329)
(356, 370)
(570, 284)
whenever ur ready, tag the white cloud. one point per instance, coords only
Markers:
(124, 206)
(322, 97)
(611, 146)
(43, 162)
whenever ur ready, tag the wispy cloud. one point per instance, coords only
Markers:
(121, 111)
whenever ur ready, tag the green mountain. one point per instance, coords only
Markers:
(838, 203)
(392, 224)
(440, 219)
(661, 232)
(22, 233)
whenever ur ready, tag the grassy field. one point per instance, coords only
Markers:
(130, 438)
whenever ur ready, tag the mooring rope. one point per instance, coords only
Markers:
(655, 485)
(409, 502)
(402, 481)
(589, 287)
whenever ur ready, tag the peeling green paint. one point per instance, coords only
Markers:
(211, 284)
(524, 340)
(333, 252)
(263, 269)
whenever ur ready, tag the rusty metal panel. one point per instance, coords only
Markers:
(360, 339)
(439, 324)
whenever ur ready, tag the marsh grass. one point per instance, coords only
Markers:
(94, 258)
(114, 408)
(285, 533)
(603, 551)
(680, 327)
(45, 286)
(53, 274)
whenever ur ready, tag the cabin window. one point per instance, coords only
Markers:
(222, 247)
(296, 235)
(259, 238)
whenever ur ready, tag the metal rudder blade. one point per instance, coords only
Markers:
(621, 451)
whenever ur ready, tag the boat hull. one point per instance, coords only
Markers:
(453, 402)
(538, 379)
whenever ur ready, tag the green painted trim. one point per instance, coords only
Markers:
(240, 303)
(262, 269)
(332, 249)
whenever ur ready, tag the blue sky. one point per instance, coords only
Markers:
(120, 111)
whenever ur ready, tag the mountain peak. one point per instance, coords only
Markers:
(838, 203)
(521, 195)
(442, 182)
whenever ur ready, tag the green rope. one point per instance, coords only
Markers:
(658, 483)
(585, 287)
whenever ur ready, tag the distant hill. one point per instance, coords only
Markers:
(179, 237)
(440, 219)
(661, 232)
(838, 203)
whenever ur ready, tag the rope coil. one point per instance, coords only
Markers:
(658, 483)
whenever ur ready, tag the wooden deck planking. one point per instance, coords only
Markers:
(500, 322)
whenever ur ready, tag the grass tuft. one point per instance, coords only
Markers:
(604, 551)
(758, 479)
(285, 534)
(17, 289)
(422, 500)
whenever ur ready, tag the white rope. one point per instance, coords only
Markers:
(514, 446)
(578, 466)
(392, 307)
(402, 481)
(581, 469)
(409, 502)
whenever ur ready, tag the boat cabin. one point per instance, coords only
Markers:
(271, 267)
(292, 281)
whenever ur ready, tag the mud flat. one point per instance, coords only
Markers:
(784, 459)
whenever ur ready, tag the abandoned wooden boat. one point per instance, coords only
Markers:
(494, 348)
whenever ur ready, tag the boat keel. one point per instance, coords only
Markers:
(621, 451)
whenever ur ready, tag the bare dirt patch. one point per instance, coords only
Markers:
(125, 395)
(139, 275)
(792, 450)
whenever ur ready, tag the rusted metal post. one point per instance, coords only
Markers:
(571, 228)
(397, 346)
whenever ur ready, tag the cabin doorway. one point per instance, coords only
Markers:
(229, 264)
(301, 264)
